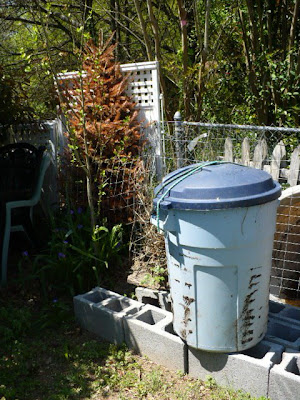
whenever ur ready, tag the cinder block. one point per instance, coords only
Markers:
(158, 298)
(101, 312)
(150, 332)
(83, 307)
(283, 332)
(285, 378)
(285, 312)
(248, 371)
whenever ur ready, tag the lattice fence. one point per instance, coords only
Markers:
(143, 87)
(39, 134)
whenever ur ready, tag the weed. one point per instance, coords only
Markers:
(69, 263)
(156, 278)
(52, 359)
(210, 382)
(154, 383)
(15, 322)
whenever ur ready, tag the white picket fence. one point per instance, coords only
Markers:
(285, 276)
(277, 165)
(261, 147)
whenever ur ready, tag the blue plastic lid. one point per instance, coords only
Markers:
(218, 186)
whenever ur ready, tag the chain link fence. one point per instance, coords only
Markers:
(129, 189)
(273, 149)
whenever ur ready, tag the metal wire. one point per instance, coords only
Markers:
(268, 148)
(185, 143)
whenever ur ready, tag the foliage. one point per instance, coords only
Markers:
(15, 323)
(271, 60)
(68, 262)
(14, 107)
(156, 278)
(101, 103)
(104, 130)
(239, 62)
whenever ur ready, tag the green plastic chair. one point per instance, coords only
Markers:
(26, 223)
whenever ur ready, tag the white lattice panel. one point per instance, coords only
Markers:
(144, 90)
(45, 136)
(143, 87)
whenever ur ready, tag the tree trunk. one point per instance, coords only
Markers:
(204, 55)
(251, 51)
(292, 35)
(184, 47)
(144, 30)
(155, 30)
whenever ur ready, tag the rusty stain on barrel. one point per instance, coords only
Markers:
(248, 316)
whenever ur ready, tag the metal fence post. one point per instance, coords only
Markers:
(178, 139)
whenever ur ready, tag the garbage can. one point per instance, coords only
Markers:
(219, 222)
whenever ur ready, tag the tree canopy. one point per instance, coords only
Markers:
(225, 61)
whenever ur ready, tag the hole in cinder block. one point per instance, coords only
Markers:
(96, 296)
(284, 332)
(170, 329)
(150, 300)
(118, 305)
(275, 307)
(258, 351)
(292, 313)
(151, 317)
(294, 366)
(132, 311)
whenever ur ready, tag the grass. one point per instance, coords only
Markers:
(44, 355)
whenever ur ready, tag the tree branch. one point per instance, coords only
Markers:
(184, 46)
(201, 84)
(144, 30)
(292, 34)
(26, 21)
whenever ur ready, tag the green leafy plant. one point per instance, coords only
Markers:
(14, 106)
(15, 322)
(68, 262)
(156, 277)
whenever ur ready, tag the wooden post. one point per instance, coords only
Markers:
(228, 153)
(294, 167)
(260, 154)
(277, 155)
(246, 152)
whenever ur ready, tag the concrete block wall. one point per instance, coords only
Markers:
(248, 370)
(285, 378)
(101, 312)
(150, 332)
(148, 329)
(284, 332)
(284, 312)
(159, 298)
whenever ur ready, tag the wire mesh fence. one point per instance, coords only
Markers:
(285, 280)
(123, 193)
(273, 149)
(128, 188)
(129, 191)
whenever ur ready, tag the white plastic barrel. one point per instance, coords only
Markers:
(219, 224)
